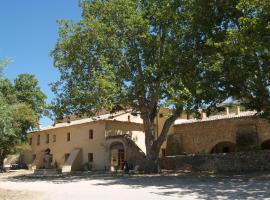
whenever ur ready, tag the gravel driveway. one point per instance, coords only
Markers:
(169, 187)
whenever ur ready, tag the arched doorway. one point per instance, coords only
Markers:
(266, 144)
(224, 147)
(117, 155)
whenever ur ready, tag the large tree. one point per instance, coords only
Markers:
(246, 56)
(142, 55)
(21, 106)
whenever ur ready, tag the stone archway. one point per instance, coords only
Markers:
(117, 155)
(266, 144)
(224, 147)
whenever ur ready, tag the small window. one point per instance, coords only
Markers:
(90, 157)
(91, 134)
(34, 157)
(30, 141)
(160, 115)
(38, 140)
(163, 152)
(54, 138)
(68, 136)
(47, 138)
(66, 156)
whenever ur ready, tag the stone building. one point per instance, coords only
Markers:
(225, 133)
(106, 141)
(91, 143)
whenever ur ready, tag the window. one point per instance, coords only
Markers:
(30, 141)
(66, 156)
(68, 136)
(128, 118)
(47, 138)
(90, 157)
(54, 138)
(91, 134)
(163, 152)
(38, 140)
(160, 115)
(34, 157)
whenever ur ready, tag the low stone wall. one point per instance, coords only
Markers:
(231, 162)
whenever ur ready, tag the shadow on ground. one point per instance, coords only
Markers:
(204, 186)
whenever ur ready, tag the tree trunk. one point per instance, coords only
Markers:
(2, 158)
(153, 144)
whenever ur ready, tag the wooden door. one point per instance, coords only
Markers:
(121, 158)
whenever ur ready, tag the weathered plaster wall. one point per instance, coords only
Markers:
(79, 138)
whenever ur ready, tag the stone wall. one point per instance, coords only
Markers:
(231, 162)
(202, 137)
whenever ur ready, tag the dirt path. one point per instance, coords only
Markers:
(17, 195)
(99, 187)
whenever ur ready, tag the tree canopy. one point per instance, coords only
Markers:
(21, 105)
(246, 56)
(186, 55)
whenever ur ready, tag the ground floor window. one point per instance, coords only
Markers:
(90, 157)
(66, 156)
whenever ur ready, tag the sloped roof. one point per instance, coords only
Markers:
(215, 117)
(119, 117)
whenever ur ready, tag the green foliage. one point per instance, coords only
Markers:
(142, 55)
(186, 55)
(28, 92)
(246, 56)
(3, 64)
(21, 105)
(8, 136)
(133, 53)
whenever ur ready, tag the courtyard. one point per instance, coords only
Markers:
(17, 185)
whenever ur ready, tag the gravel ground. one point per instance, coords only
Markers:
(170, 187)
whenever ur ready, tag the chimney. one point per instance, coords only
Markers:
(237, 112)
(203, 115)
(227, 111)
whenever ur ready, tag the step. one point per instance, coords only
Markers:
(47, 172)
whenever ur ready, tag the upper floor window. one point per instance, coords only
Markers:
(54, 138)
(38, 140)
(68, 136)
(91, 134)
(47, 138)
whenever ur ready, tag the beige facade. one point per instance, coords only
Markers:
(92, 139)
(106, 141)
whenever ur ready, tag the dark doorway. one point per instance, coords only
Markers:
(266, 144)
(223, 147)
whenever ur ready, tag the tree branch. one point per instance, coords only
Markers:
(177, 112)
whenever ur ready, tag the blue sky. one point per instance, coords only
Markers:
(28, 32)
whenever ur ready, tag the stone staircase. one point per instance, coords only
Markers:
(46, 172)
(70, 164)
